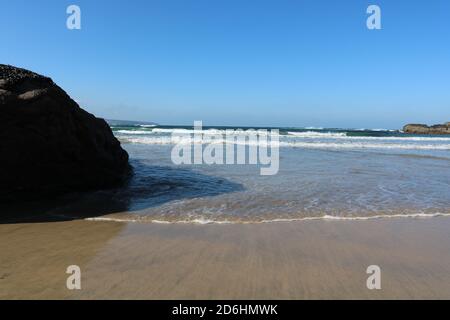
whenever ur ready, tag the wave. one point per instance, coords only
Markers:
(387, 130)
(313, 128)
(187, 131)
(354, 145)
(342, 135)
(316, 134)
(211, 131)
(290, 134)
(205, 221)
(345, 136)
(376, 130)
(133, 131)
(167, 140)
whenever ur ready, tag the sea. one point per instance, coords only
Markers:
(324, 174)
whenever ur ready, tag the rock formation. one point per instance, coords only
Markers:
(424, 129)
(48, 144)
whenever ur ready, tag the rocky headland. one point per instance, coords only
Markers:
(424, 129)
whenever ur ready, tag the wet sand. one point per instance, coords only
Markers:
(295, 260)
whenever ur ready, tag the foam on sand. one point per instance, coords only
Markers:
(205, 221)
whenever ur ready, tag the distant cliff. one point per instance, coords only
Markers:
(424, 129)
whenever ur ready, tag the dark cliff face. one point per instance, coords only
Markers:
(48, 144)
(424, 129)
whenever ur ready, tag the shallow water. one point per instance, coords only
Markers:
(323, 174)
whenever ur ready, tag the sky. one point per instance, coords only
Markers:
(241, 62)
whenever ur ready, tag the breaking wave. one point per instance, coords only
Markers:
(356, 144)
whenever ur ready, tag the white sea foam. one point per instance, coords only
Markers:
(308, 135)
(170, 131)
(193, 221)
(313, 128)
(134, 132)
(344, 136)
(312, 144)
(187, 131)
(205, 221)
(362, 145)
(204, 131)
(316, 134)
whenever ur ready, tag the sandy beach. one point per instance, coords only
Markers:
(224, 150)
(295, 260)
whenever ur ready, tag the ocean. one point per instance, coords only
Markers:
(324, 173)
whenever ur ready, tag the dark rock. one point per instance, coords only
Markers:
(424, 129)
(48, 144)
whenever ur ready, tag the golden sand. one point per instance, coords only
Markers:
(296, 260)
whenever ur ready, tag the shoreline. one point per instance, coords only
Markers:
(281, 220)
(292, 260)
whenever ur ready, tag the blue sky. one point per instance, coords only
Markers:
(241, 62)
